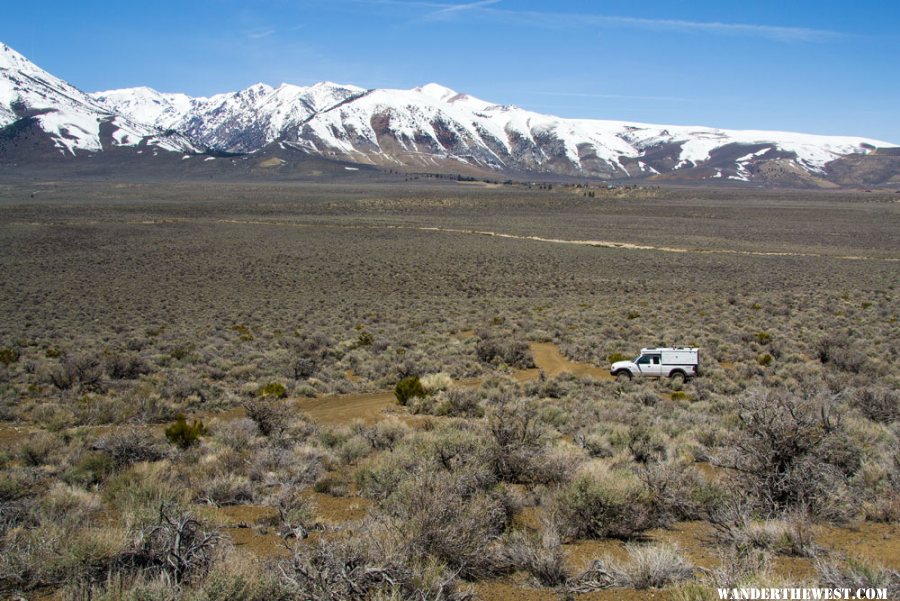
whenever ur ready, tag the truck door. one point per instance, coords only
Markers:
(650, 365)
(655, 367)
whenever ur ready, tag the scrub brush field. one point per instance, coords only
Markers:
(401, 391)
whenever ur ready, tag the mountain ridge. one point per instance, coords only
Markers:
(429, 127)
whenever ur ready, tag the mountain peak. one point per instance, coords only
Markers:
(10, 59)
(437, 91)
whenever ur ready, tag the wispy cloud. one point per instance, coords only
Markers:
(488, 9)
(455, 9)
(258, 34)
(775, 32)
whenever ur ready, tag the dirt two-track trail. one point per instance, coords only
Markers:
(339, 409)
(372, 406)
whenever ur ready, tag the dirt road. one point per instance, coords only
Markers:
(371, 406)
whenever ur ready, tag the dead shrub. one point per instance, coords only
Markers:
(363, 570)
(879, 404)
(793, 451)
(176, 547)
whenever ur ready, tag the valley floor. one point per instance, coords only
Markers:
(282, 317)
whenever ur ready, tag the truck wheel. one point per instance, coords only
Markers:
(677, 378)
(623, 376)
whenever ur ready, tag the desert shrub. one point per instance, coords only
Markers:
(353, 449)
(90, 469)
(856, 574)
(835, 349)
(793, 451)
(604, 504)
(304, 367)
(514, 353)
(541, 555)
(458, 403)
(765, 359)
(138, 491)
(238, 579)
(615, 357)
(763, 337)
(227, 489)
(269, 414)
(39, 449)
(51, 555)
(437, 521)
(364, 570)
(129, 446)
(646, 444)
(331, 485)
(518, 436)
(408, 388)
(555, 466)
(384, 435)
(652, 566)
(272, 390)
(8, 355)
(736, 528)
(126, 366)
(185, 435)
(679, 491)
(85, 371)
(878, 404)
(463, 453)
(436, 382)
(176, 547)
(65, 504)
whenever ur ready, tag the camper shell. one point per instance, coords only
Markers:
(677, 362)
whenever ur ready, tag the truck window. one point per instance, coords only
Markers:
(655, 359)
(643, 360)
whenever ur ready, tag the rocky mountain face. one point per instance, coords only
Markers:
(427, 128)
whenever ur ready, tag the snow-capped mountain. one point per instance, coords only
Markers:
(71, 120)
(429, 127)
(238, 122)
(434, 126)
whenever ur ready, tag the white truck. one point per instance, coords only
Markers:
(679, 363)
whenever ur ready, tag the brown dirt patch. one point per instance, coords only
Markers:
(337, 510)
(346, 408)
(264, 544)
(548, 358)
(12, 435)
(693, 538)
(580, 554)
(875, 542)
(505, 589)
(243, 515)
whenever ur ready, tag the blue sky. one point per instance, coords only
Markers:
(815, 66)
